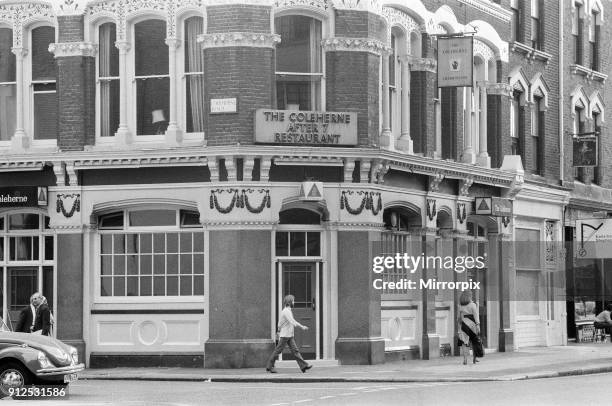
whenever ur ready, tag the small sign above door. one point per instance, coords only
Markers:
(23, 196)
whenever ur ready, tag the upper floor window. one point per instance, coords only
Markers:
(299, 68)
(517, 20)
(578, 30)
(538, 142)
(194, 76)
(43, 84)
(8, 85)
(537, 24)
(151, 77)
(517, 124)
(595, 34)
(597, 172)
(579, 124)
(108, 80)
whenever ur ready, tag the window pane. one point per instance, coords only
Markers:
(7, 67)
(198, 264)
(119, 286)
(186, 285)
(131, 243)
(300, 46)
(190, 218)
(146, 264)
(43, 62)
(106, 243)
(119, 243)
(153, 101)
(23, 248)
(109, 107)
(108, 53)
(106, 286)
(297, 94)
(198, 242)
(49, 248)
(172, 242)
(527, 285)
(45, 115)
(146, 286)
(119, 261)
(194, 26)
(314, 244)
(297, 244)
(282, 244)
(172, 264)
(132, 264)
(7, 108)
(159, 243)
(111, 221)
(198, 285)
(159, 286)
(150, 49)
(148, 218)
(146, 243)
(107, 265)
(186, 241)
(132, 286)
(1, 248)
(186, 264)
(159, 264)
(24, 221)
(172, 286)
(194, 103)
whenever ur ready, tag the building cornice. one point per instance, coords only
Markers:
(492, 9)
(589, 74)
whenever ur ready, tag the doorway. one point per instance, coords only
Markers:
(301, 279)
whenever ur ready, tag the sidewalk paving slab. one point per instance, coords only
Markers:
(528, 363)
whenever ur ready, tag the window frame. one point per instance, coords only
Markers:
(324, 21)
(99, 138)
(182, 75)
(14, 84)
(127, 229)
(28, 111)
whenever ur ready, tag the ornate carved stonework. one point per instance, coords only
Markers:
(482, 49)
(503, 89)
(373, 6)
(239, 39)
(322, 5)
(62, 49)
(464, 186)
(432, 211)
(435, 180)
(423, 64)
(397, 17)
(68, 204)
(19, 14)
(490, 8)
(461, 212)
(355, 45)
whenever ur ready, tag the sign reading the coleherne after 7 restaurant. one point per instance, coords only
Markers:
(295, 127)
(455, 61)
(23, 196)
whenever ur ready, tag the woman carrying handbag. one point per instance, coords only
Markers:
(468, 331)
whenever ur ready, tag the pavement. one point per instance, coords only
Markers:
(526, 363)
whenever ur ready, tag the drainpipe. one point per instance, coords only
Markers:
(561, 97)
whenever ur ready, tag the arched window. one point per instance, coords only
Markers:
(43, 84)
(151, 252)
(299, 68)
(7, 85)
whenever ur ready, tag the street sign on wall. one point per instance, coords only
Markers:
(23, 196)
(455, 61)
(594, 238)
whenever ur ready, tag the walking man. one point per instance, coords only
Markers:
(286, 324)
(27, 316)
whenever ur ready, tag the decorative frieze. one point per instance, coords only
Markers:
(490, 8)
(355, 45)
(19, 14)
(423, 64)
(239, 39)
(240, 200)
(64, 49)
(68, 204)
(369, 201)
(320, 5)
(503, 89)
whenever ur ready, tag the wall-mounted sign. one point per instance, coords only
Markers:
(501, 207)
(482, 205)
(23, 196)
(493, 206)
(593, 238)
(455, 61)
(294, 127)
(228, 105)
(585, 152)
(312, 191)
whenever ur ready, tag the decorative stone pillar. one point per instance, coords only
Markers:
(468, 150)
(404, 143)
(174, 134)
(349, 167)
(483, 156)
(123, 135)
(422, 92)
(20, 140)
(385, 136)
(507, 290)
(247, 169)
(430, 340)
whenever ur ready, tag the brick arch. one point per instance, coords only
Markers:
(579, 96)
(538, 83)
(408, 25)
(597, 104)
(518, 79)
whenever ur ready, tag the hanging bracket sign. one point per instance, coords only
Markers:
(455, 61)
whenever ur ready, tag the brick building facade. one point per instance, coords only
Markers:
(180, 210)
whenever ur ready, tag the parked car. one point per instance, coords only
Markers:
(27, 359)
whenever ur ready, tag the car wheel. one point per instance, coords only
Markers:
(13, 375)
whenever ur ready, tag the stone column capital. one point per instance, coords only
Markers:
(20, 52)
(356, 45)
(123, 46)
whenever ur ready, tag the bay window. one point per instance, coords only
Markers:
(299, 68)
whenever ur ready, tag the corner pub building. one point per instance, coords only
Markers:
(197, 170)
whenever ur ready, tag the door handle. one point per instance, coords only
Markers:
(313, 305)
